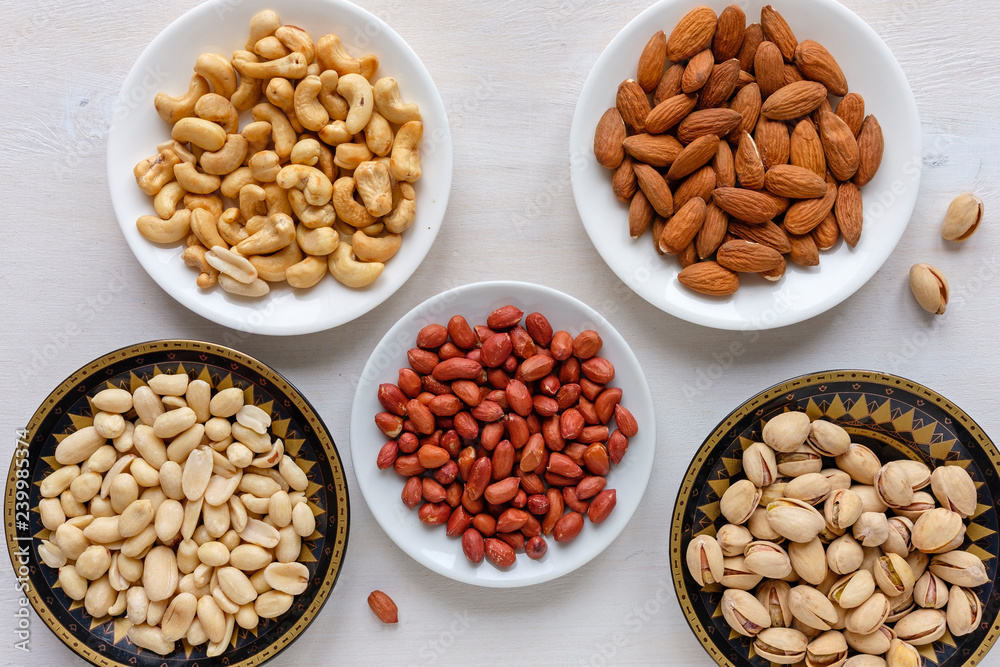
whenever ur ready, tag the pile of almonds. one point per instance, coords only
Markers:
(502, 432)
(177, 508)
(739, 160)
(821, 561)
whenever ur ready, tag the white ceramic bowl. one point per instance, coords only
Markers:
(221, 26)
(871, 70)
(430, 546)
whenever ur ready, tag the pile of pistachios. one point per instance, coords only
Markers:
(821, 562)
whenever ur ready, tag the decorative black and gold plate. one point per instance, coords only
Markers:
(897, 419)
(103, 641)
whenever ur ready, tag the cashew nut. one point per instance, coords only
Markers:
(358, 92)
(350, 155)
(320, 241)
(344, 229)
(292, 66)
(335, 133)
(248, 92)
(270, 48)
(349, 271)
(166, 200)
(219, 73)
(194, 181)
(234, 182)
(257, 134)
(348, 209)
(179, 149)
(402, 216)
(306, 151)
(325, 162)
(218, 109)
(331, 54)
(276, 234)
(306, 273)
(405, 163)
(373, 230)
(172, 109)
(272, 267)
(231, 264)
(378, 135)
(255, 224)
(227, 158)
(252, 201)
(296, 39)
(200, 132)
(375, 188)
(264, 166)
(154, 172)
(231, 227)
(158, 230)
(375, 249)
(389, 104)
(334, 104)
(262, 24)
(277, 199)
(211, 203)
(281, 93)
(308, 108)
(313, 183)
(311, 216)
(194, 256)
(256, 288)
(282, 132)
(203, 224)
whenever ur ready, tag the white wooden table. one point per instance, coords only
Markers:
(509, 73)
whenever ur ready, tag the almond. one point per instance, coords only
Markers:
(713, 231)
(840, 147)
(683, 227)
(699, 184)
(657, 151)
(851, 110)
(802, 217)
(747, 103)
(633, 104)
(655, 187)
(827, 233)
(806, 150)
(623, 181)
(769, 69)
(658, 224)
(724, 165)
(692, 34)
(848, 210)
(753, 37)
(791, 74)
(747, 257)
(719, 122)
(773, 142)
(786, 180)
(688, 256)
(804, 251)
(669, 112)
(651, 62)
(745, 79)
(768, 234)
(776, 273)
(720, 85)
(694, 156)
(608, 139)
(870, 147)
(747, 205)
(709, 278)
(729, 32)
(816, 64)
(383, 607)
(698, 69)
(794, 100)
(777, 30)
(749, 166)
(669, 85)
(640, 214)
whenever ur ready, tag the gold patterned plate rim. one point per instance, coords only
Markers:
(968, 650)
(317, 450)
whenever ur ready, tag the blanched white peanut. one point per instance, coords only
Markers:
(169, 517)
(233, 265)
(192, 513)
(151, 638)
(185, 443)
(113, 400)
(169, 384)
(147, 404)
(237, 514)
(85, 486)
(109, 424)
(214, 554)
(272, 604)
(220, 488)
(51, 512)
(255, 441)
(135, 518)
(144, 474)
(135, 546)
(74, 585)
(187, 556)
(271, 458)
(280, 509)
(216, 519)
(150, 447)
(137, 604)
(218, 428)
(289, 545)
(178, 617)
(101, 460)
(173, 423)
(227, 402)
(160, 574)
(78, 446)
(259, 533)
(291, 578)
(51, 554)
(236, 585)
(303, 520)
(254, 418)
(124, 491)
(156, 611)
(123, 443)
(58, 481)
(246, 617)
(94, 562)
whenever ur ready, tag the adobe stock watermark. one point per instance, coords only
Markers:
(608, 647)
(21, 553)
(438, 645)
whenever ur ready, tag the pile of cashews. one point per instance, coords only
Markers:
(320, 180)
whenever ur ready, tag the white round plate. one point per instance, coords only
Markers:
(220, 26)
(871, 70)
(430, 546)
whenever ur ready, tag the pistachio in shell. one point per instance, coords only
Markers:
(844, 555)
(853, 589)
(761, 528)
(864, 660)
(868, 616)
(930, 591)
(901, 654)
(812, 608)
(900, 536)
(739, 501)
(965, 213)
(875, 643)
(735, 574)
(827, 650)
(893, 575)
(795, 520)
(812, 488)
(918, 562)
(960, 568)
(871, 529)
(828, 439)
(773, 595)
(809, 561)
(842, 508)
(782, 646)
(800, 461)
(965, 611)
(938, 531)
(838, 478)
(923, 502)
(705, 560)
(774, 492)
(870, 500)
(768, 560)
(918, 473)
(892, 485)
(922, 627)
(759, 464)
(955, 490)
(786, 432)
(733, 539)
(930, 288)
(860, 463)
(744, 613)
(901, 606)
